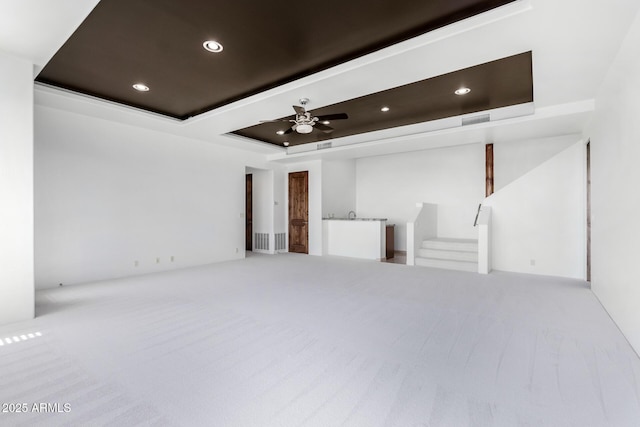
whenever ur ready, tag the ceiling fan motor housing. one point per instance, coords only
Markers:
(304, 128)
(304, 122)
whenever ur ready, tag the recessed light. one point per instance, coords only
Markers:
(286, 143)
(385, 109)
(280, 132)
(462, 91)
(326, 122)
(212, 46)
(141, 87)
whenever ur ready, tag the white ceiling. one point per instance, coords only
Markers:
(573, 43)
(35, 29)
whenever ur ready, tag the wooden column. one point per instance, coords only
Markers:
(488, 154)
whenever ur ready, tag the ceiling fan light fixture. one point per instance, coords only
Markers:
(462, 91)
(304, 128)
(212, 46)
(140, 87)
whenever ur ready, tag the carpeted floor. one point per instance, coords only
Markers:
(294, 340)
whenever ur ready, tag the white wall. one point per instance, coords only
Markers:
(280, 201)
(338, 188)
(315, 201)
(108, 195)
(539, 219)
(453, 178)
(16, 189)
(515, 158)
(390, 186)
(615, 154)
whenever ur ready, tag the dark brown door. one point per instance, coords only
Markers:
(589, 211)
(249, 213)
(488, 164)
(299, 212)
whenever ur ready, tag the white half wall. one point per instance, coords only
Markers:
(615, 175)
(115, 200)
(538, 221)
(16, 190)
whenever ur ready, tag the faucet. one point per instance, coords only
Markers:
(354, 215)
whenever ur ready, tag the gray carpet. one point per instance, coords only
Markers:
(294, 340)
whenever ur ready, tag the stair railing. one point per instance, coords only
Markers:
(475, 221)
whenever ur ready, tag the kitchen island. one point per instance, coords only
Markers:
(363, 238)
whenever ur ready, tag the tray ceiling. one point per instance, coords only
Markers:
(501, 83)
(266, 44)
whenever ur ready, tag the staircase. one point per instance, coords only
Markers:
(451, 254)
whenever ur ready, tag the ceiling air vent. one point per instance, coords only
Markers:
(323, 145)
(466, 121)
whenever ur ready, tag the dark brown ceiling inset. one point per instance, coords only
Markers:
(266, 43)
(496, 84)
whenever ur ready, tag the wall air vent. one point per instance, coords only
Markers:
(261, 241)
(323, 145)
(483, 118)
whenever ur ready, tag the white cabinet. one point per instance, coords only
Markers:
(363, 238)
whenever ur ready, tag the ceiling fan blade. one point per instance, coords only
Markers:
(323, 128)
(288, 131)
(299, 110)
(339, 116)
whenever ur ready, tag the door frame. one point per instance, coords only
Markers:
(588, 221)
(248, 212)
(289, 208)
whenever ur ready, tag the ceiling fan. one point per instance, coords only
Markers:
(305, 122)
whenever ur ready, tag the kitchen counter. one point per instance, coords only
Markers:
(363, 238)
(355, 219)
